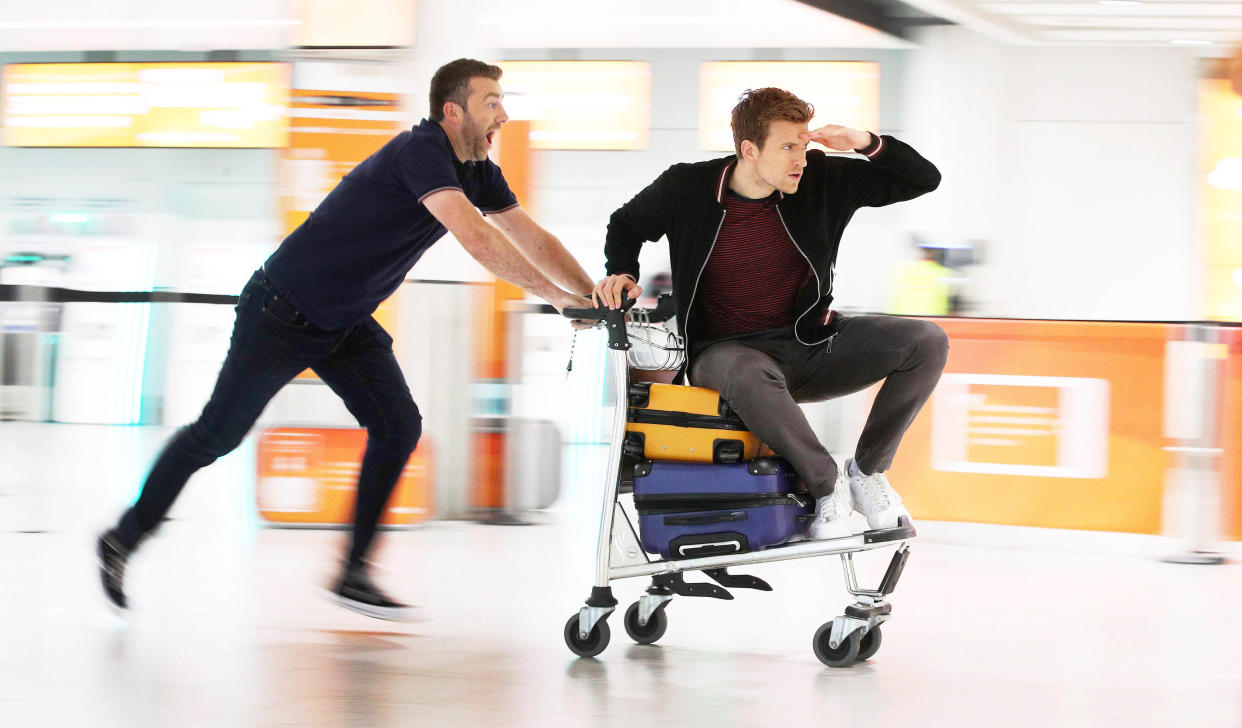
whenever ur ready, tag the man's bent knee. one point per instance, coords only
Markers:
(400, 433)
(934, 341)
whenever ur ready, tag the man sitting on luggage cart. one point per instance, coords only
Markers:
(753, 240)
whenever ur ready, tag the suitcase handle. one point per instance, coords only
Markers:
(705, 519)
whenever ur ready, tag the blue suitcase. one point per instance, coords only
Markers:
(687, 510)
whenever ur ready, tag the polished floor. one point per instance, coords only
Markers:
(992, 626)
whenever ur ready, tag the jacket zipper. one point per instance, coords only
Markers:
(690, 308)
(818, 289)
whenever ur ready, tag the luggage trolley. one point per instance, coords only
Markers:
(846, 639)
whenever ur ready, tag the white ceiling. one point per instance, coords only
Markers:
(236, 24)
(1209, 24)
(672, 24)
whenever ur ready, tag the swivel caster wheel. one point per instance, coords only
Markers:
(869, 644)
(843, 655)
(645, 634)
(594, 643)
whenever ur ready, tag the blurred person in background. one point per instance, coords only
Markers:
(923, 286)
(753, 241)
(310, 305)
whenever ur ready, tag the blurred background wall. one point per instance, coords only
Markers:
(1071, 136)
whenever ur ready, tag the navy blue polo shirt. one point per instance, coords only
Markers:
(357, 246)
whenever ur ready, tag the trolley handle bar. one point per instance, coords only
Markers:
(599, 313)
(613, 320)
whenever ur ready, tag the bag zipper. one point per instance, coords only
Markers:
(684, 419)
(680, 503)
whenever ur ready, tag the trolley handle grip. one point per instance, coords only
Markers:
(614, 321)
(599, 313)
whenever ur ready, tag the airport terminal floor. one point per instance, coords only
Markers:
(992, 626)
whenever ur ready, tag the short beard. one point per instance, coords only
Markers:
(475, 139)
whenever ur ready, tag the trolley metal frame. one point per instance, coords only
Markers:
(843, 641)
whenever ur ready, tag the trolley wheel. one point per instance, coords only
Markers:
(845, 653)
(595, 642)
(869, 644)
(645, 635)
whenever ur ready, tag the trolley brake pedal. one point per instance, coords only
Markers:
(737, 581)
(893, 573)
(678, 585)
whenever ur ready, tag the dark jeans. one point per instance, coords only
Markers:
(764, 376)
(272, 342)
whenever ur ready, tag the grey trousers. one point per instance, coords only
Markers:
(764, 376)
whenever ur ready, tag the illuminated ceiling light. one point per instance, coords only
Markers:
(1237, 278)
(617, 20)
(70, 24)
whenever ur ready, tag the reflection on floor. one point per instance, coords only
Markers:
(991, 626)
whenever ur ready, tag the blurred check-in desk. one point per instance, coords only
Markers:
(1103, 426)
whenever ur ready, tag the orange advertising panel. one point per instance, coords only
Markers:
(330, 132)
(491, 331)
(1230, 419)
(145, 104)
(487, 465)
(308, 476)
(1040, 423)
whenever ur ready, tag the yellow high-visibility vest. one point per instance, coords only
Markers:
(922, 289)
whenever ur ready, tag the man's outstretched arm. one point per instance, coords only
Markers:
(493, 250)
(543, 249)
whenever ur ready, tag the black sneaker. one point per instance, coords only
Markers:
(112, 557)
(358, 593)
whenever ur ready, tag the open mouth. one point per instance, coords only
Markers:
(491, 137)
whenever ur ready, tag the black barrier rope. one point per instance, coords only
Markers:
(48, 294)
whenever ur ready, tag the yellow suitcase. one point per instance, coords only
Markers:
(690, 424)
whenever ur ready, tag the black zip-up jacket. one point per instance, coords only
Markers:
(686, 203)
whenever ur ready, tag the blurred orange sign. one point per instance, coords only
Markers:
(330, 133)
(309, 476)
(1042, 423)
(1021, 425)
(145, 104)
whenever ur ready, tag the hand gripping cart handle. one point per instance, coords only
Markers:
(846, 639)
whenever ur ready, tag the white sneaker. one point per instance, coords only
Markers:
(875, 498)
(832, 513)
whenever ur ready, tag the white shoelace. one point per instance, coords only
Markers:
(876, 492)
